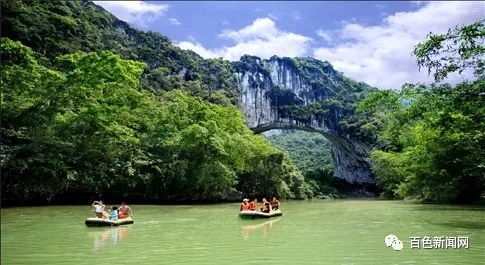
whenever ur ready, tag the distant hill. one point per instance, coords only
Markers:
(52, 28)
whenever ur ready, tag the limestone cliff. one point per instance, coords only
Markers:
(308, 94)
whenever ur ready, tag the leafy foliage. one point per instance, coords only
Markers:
(93, 106)
(431, 149)
(430, 139)
(54, 28)
(83, 125)
(311, 153)
(460, 49)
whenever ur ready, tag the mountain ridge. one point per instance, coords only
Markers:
(76, 21)
(306, 90)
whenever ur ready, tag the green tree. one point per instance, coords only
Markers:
(429, 138)
(71, 126)
(83, 125)
(460, 49)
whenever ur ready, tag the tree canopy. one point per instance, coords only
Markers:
(93, 106)
(84, 124)
(430, 139)
(461, 48)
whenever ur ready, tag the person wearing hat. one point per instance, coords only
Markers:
(244, 205)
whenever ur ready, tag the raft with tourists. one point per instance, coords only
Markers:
(259, 214)
(119, 215)
(250, 210)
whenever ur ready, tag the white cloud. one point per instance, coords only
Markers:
(262, 38)
(174, 21)
(381, 55)
(199, 49)
(263, 28)
(136, 12)
(324, 34)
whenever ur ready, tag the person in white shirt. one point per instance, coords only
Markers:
(98, 208)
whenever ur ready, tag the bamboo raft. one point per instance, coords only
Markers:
(106, 222)
(258, 214)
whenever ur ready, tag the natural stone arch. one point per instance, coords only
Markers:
(351, 156)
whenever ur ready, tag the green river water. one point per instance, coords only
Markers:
(309, 232)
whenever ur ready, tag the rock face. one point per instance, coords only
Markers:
(267, 86)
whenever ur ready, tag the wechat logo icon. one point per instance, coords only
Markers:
(394, 242)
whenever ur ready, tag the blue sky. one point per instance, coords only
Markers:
(204, 20)
(368, 41)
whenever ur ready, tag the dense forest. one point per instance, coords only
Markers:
(91, 107)
(54, 28)
(429, 139)
(83, 125)
(80, 119)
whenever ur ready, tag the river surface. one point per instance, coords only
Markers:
(309, 232)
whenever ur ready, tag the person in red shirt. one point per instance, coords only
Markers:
(253, 206)
(124, 211)
(244, 205)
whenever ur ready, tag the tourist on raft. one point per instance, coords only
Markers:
(275, 204)
(253, 206)
(244, 205)
(266, 206)
(124, 211)
(114, 213)
(98, 208)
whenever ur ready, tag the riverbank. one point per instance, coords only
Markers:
(356, 194)
(338, 190)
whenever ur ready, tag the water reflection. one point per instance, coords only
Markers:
(108, 236)
(265, 228)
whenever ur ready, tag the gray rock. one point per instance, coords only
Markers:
(351, 156)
